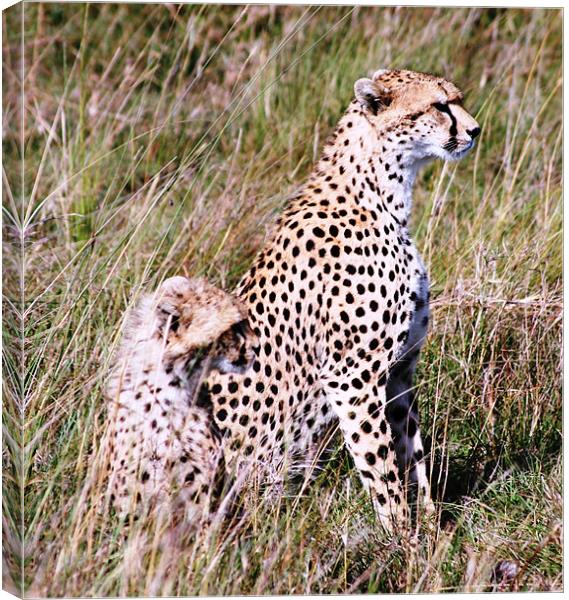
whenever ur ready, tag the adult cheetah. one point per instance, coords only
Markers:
(162, 449)
(338, 297)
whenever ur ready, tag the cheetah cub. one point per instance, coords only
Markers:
(163, 447)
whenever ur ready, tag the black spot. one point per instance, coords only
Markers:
(383, 452)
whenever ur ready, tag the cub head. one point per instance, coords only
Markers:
(198, 319)
(423, 111)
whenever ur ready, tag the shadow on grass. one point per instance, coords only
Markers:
(456, 480)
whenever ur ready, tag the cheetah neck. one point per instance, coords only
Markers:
(373, 166)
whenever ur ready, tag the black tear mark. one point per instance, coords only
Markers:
(445, 108)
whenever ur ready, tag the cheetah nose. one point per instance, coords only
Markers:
(473, 133)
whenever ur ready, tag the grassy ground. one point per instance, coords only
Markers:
(161, 140)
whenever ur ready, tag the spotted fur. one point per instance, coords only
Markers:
(338, 301)
(338, 297)
(162, 448)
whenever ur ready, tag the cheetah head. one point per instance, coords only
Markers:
(423, 111)
(199, 319)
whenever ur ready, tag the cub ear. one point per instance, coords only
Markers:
(168, 310)
(175, 296)
(371, 95)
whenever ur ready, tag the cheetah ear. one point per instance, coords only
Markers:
(167, 311)
(372, 96)
(379, 73)
(166, 307)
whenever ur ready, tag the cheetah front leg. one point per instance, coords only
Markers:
(403, 418)
(367, 434)
(401, 409)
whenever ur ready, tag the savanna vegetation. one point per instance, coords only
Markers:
(144, 141)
